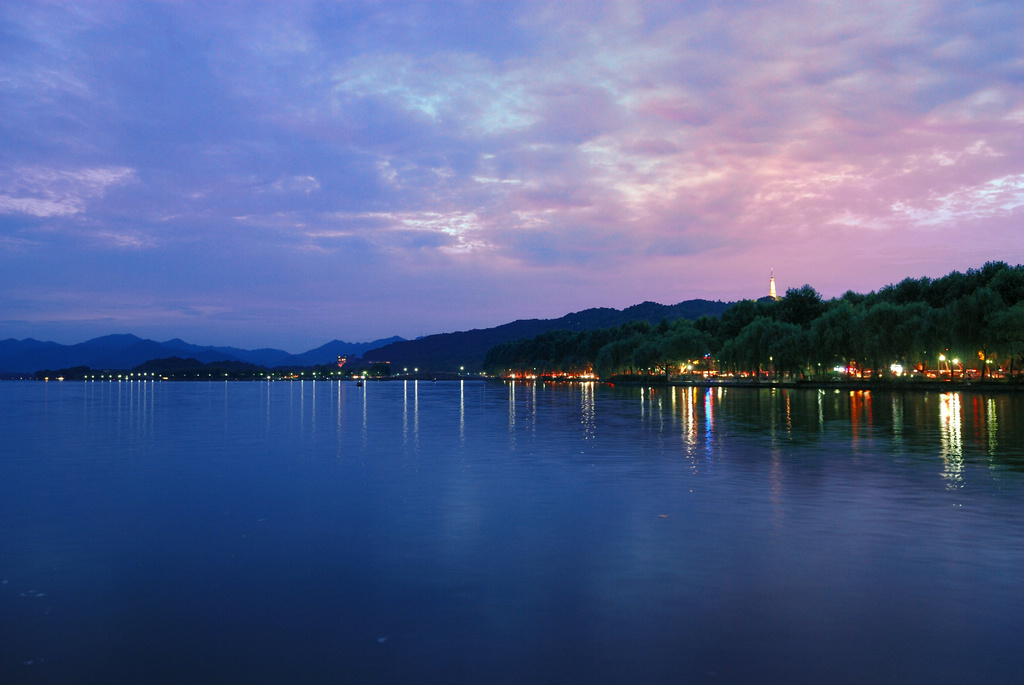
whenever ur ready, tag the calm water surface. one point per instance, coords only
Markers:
(474, 533)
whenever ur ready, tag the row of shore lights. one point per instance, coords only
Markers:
(143, 375)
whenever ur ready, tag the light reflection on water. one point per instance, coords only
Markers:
(532, 533)
(965, 428)
(952, 438)
(587, 410)
(512, 416)
(462, 414)
(709, 422)
(992, 425)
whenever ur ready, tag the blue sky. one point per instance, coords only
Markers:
(283, 174)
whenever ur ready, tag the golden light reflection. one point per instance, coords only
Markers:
(587, 410)
(789, 415)
(991, 425)
(512, 415)
(950, 431)
(860, 411)
(689, 416)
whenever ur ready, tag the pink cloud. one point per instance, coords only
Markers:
(583, 158)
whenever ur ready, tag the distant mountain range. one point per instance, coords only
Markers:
(449, 351)
(442, 352)
(129, 351)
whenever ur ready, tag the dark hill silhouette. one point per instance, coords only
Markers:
(450, 351)
(265, 356)
(442, 352)
(125, 351)
(329, 353)
(107, 352)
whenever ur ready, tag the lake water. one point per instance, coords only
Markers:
(455, 532)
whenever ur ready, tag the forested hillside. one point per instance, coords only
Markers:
(964, 324)
(466, 349)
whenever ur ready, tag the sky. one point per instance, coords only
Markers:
(283, 174)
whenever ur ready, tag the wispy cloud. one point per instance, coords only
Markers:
(46, 192)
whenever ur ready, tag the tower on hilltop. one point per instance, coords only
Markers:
(771, 286)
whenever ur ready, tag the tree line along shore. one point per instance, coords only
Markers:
(961, 327)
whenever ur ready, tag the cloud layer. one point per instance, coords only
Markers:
(286, 173)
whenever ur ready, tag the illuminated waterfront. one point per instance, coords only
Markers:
(471, 532)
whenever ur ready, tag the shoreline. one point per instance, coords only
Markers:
(1002, 385)
(916, 385)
